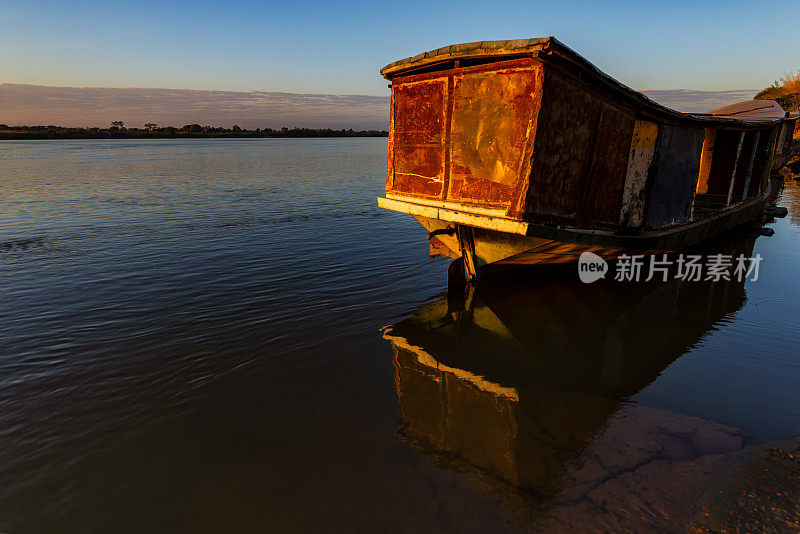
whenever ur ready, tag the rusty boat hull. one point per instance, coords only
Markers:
(522, 152)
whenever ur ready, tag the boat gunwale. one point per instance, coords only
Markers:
(570, 234)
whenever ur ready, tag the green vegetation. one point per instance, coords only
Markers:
(152, 131)
(785, 91)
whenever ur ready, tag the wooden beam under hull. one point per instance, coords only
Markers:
(497, 248)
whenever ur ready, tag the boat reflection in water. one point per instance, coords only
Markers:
(519, 379)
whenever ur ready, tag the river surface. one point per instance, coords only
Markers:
(229, 335)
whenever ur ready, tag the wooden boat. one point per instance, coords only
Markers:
(522, 152)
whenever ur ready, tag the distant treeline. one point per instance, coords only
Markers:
(153, 131)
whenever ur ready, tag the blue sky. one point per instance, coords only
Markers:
(338, 47)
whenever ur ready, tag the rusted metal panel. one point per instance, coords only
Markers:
(579, 156)
(448, 138)
(418, 140)
(491, 120)
(640, 157)
(674, 178)
(520, 196)
(462, 135)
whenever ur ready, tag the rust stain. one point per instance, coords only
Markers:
(462, 135)
(448, 118)
(418, 140)
(390, 150)
(491, 113)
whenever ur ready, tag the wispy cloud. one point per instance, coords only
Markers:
(98, 106)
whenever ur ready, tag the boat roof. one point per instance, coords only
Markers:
(750, 114)
(469, 50)
(751, 110)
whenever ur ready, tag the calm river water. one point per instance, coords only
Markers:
(229, 335)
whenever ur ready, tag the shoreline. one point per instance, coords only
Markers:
(49, 132)
(657, 470)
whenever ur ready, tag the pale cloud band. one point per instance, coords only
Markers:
(98, 106)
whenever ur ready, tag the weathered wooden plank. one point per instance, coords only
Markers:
(667, 239)
(735, 168)
(500, 224)
(726, 144)
(466, 50)
(674, 180)
(566, 127)
(579, 156)
(769, 161)
(640, 157)
(706, 158)
(762, 166)
(782, 138)
(437, 203)
(750, 165)
(601, 200)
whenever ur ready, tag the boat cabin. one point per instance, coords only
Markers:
(529, 131)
